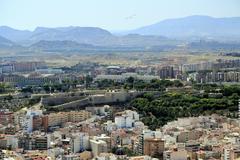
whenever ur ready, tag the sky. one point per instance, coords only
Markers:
(108, 14)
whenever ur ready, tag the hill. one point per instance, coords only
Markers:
(14, 34)
(193, 26)
(89, 35)
(83, 35)
(5, 43)
(59, 46)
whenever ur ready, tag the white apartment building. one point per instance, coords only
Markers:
(98, 146)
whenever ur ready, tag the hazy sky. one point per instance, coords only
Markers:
(108, 14)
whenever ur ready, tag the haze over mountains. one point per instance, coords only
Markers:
(201, 26)
(5, 42)
(167, 33)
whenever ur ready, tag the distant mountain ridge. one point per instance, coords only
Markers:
(201, 26)
(5, 43)
(82, 35)
(191, 26)
(166, 34)
(14, 34)
(44, 45)
(78, 34)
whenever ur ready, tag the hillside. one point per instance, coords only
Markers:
(5, 43)
(83, 35)
(199, 26)
(14, 34)
(199, 32)
(58, 45)
(79, 34)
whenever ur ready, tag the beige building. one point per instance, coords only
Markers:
(154, 147)
(188, 135)
(141, 158)
(106, 139)
(231, 153)
(86, 155)
(176, 155)
(56, 119)
(98, 146)
(78, 116)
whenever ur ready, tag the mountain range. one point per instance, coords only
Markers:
(83, 35)
(5, 42)
(193, 26)
(165, 34)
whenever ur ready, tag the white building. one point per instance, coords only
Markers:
(98, 146)
(129, 122)
(110, 126)
(120, 121)
(139, 124)
(80, 142)
(133, 114)
(127, 119)
(12, 141)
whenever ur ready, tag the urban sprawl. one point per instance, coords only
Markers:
(169, 111)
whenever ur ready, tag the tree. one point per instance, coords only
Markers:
(3, 87)
(88, 80)
(177, 83)
(149, 96)
(130, 80)
(168, 106)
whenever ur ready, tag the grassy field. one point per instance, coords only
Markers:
(124, 59)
